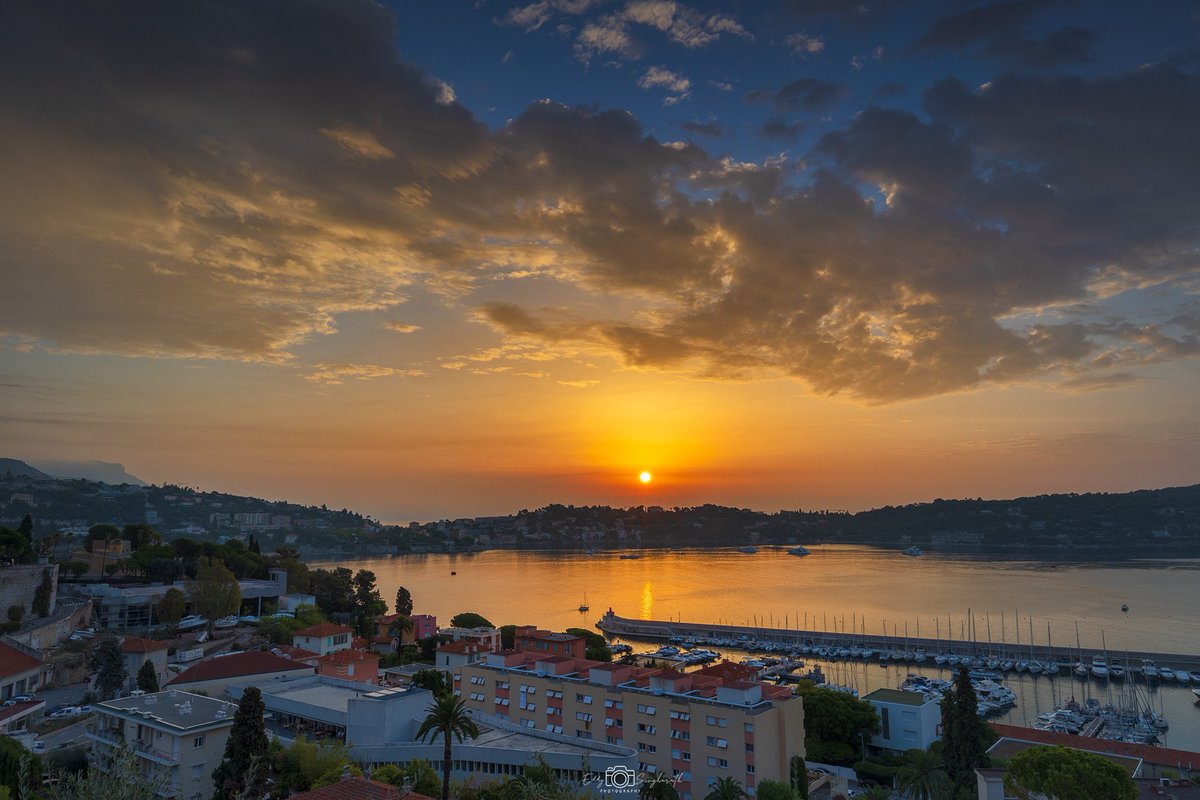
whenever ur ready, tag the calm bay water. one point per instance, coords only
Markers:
(847, 587)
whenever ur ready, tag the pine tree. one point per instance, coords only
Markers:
(109, 666)
(404, 602)
(147, 678)
(241, 772)
(964, 734)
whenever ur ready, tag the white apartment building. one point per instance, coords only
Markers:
(178, 737)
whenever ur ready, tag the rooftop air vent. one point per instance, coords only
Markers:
(186, 708)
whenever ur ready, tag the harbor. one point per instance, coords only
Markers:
(914, 649)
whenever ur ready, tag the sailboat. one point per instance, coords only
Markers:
(584, 605)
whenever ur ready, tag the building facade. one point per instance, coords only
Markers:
(906, 719)
(323, 638)
(178, 738)
(692, 728)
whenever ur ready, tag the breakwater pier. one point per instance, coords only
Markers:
(913, 649)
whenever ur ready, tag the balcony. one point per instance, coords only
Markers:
(169, 790)
(113, 739)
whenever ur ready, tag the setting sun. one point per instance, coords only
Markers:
(645, 477)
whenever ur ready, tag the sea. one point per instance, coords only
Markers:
(1010, 597)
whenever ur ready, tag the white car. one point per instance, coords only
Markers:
(67, 711)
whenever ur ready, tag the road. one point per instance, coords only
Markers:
(71, 734)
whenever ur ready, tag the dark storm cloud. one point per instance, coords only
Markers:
(803, 94)
(1000, 30)
(225, 180)
(779, 128)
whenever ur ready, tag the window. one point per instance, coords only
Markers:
(528, 723)
(644, 728)
(677, 734)
(586, 699)
(681, 715)
(478, 680)
(723, 763)
(553, 712)
(500, 701)
(477, 696)
(582, 734)
(554, 728)
(749, 769)
(712, 761)
(749, 726)
(197, 771)
(675, 752)
(687, 755)
(341, 638)
(501, 684)
(645, 709)
(710, 720)
(582, 717)
(749, 748)
(528, 689)
(198, 741)
(722, 722)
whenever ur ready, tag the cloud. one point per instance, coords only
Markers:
(710, 128)
(779, 128)
(611, 35)
(803, 45)
(580, 384)
(401, 327)
(663, 78)
(212, 183)
(804, 94)
(999, 29)
(333, 374)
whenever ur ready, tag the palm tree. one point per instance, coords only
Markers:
(447, 716)
(725, 789)
(657, 788)
(922, 777)
(400, 626)
(876, 792)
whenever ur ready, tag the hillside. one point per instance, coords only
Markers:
(1158, 521)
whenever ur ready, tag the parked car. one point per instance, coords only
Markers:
(24, 698)
(68, 711)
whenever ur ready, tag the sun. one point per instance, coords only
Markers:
(645, 477)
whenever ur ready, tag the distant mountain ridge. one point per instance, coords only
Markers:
(19, 468)
(102, 471)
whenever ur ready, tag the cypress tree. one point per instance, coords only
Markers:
(147, 678)
(244, 770)
(964, 734)
(109, 666)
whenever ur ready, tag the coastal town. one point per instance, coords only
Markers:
(130, 652)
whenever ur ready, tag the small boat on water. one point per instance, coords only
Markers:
(1166, 673)
(748, 549)
(1124, 606)
(914, 551)
(799, 550)
(1149, 670)
(628, 556)
(584, 605)
(1099, 667)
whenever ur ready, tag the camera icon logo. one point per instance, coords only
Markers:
(620, 777)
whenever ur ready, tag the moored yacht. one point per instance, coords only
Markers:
(914, 551)
(1149, 670)
(799, 550)
(1099, 667)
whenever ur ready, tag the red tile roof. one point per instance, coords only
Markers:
(322, 629)
(254, 662)
(727, 670)
(358, 789)
(295, 653)
(348, 656)
(133, 644)
(14, 661)
(1149, 753)
(461, 647)
(17, 708)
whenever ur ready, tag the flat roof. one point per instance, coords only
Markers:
(898, 697)
(1007, 748)
(174, 709)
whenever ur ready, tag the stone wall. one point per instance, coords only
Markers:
(19, 582)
